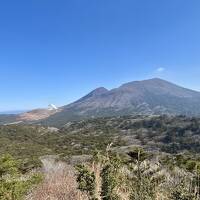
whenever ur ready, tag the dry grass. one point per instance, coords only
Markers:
(59, 183)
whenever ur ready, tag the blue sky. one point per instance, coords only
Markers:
(55, 51)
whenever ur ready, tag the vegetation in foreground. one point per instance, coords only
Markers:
(151, 158)
(13, 184)
(109, 176)
(140, 176)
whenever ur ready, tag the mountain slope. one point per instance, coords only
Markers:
(148, 97)
(29, 116)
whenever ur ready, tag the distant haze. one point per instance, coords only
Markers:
(13, 111)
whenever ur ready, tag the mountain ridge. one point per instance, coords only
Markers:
(147, 97)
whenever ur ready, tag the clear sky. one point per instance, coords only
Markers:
(55, 51)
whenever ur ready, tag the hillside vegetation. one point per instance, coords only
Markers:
(127, 157)
(155, 133)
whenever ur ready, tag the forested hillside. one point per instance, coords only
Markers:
(166, 133)
(107, 150)
(155, 133)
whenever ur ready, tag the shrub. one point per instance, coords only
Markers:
(86, 181)
(13, 185)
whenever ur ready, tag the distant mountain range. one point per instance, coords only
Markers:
(148, 97)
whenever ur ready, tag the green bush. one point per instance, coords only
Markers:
(13, 185)
(86, 181)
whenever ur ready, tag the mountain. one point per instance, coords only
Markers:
(148, 97)
(29, 116)
(38, 114)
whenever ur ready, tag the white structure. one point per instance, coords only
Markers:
(52, 107)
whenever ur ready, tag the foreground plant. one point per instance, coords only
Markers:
(14, 185)
(86, 181)
(138, 177)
